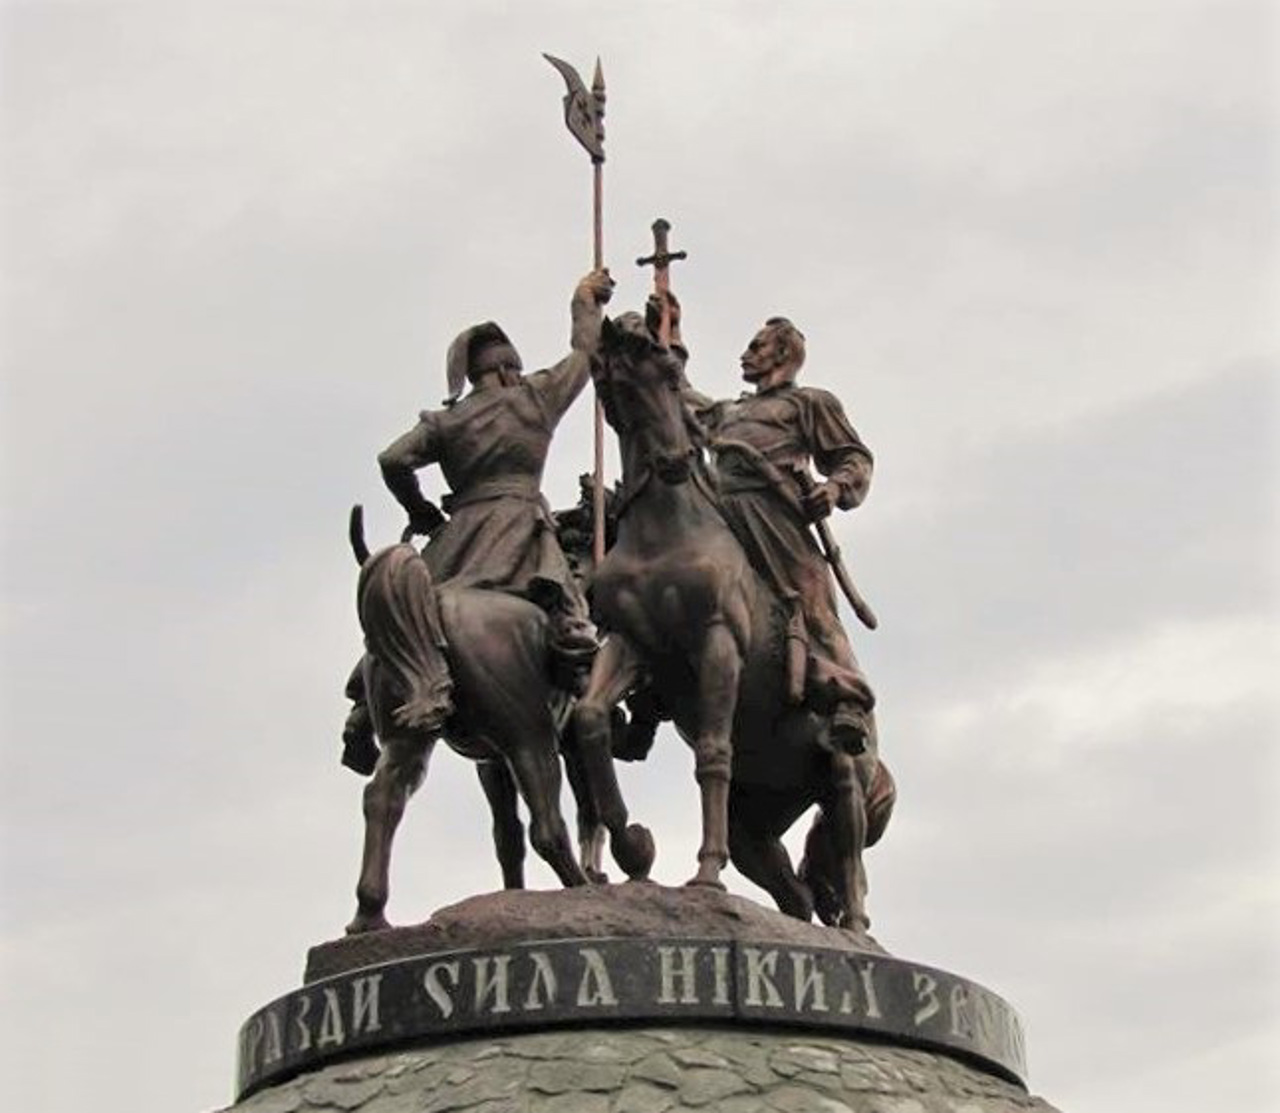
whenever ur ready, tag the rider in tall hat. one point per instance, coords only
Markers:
(491, 445)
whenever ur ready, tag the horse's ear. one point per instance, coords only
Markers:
(608, 332)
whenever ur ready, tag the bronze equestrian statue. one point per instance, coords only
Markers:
(686, 612)
(478, 638)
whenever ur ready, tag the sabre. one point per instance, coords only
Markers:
(831, 551)
(661, 261)
(584, 117)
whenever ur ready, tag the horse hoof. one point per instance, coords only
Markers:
(597, 877)
(706, 883)
(634, 851)
(365, 922)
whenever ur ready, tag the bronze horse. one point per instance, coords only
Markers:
(507, 717)
(682, 606)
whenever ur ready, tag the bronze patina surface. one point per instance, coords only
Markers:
(693, 610)
(466, 639)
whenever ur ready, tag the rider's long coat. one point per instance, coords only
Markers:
(492, 448)
(787, 428)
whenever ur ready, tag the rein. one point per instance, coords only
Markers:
(696, 474)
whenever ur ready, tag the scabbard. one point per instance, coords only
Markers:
(831, 551)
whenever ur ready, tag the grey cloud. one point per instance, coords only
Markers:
(1032, 247)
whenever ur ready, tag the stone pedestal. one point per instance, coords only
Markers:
(628, 999)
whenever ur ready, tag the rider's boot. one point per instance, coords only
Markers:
(634, 741)
(572, 636)
(359, 748)
(850, 728)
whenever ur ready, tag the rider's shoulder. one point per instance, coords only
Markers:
(817, 398)
(813, 393)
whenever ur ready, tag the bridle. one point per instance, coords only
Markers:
(673, 469)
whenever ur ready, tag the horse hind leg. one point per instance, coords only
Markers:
(764, 860)
(537, 775)
(508, 831)
(401, 767)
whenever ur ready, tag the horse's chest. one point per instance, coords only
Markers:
(641, 594)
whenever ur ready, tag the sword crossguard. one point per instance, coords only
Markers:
(661, 258)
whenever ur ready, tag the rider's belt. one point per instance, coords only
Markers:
(523, 487)
(742, 467)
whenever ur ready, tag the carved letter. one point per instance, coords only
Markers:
(364, 1009)
(961, 1024)
(926, 996)
(249, 1048)
(544, 976)
(808, 979)
(596, 988)
(760, 969)
(273, 1052)
(984, 1019)
(436, 989)
(869, 991)
(331, 1031)
(497, 983)
(686, 972)
(721, 956)
(300, 1024)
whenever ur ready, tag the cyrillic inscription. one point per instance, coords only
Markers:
(603, 980)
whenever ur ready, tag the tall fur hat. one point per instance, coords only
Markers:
(464, 347)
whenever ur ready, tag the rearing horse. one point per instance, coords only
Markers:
(682, 606)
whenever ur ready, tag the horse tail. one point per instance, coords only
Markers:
(355, 534)
(400, 614)
(879, 802)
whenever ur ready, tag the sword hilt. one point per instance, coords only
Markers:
(834, 558)
(661, 258)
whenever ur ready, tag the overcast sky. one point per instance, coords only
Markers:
(1034, 248)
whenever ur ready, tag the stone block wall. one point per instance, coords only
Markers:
(649, 1070)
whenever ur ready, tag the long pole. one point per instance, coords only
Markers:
(584, 117)
(598, 521)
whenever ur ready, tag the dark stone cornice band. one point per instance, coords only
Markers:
(606, 981)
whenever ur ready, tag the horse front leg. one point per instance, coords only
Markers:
(847, 814)
(612, 675)
(591, 831)
(718, 673)
(401, 767)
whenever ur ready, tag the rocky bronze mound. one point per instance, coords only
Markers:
(637, 910)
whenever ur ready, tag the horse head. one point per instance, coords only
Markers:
(638, 382)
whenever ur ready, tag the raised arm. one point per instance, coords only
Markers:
(700, 408)
(559, 386)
